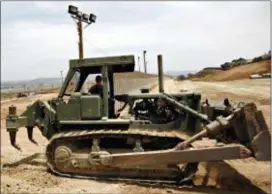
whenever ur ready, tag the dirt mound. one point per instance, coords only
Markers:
(240, 72)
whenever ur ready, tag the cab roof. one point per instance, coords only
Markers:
(116, 64)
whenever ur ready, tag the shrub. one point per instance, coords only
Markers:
(181, 77)
(257, 59)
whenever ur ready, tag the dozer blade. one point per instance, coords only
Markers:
(258, 133)
(246, 125)
(261, 145)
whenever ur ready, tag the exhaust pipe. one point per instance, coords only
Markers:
(160, 74)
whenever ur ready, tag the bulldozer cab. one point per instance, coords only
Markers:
(106, 66)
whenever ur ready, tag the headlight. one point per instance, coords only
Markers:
(92, 18)
(72, 10)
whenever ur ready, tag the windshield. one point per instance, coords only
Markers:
(72, 84)
(89, 82)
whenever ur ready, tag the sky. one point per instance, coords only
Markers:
(39, 38)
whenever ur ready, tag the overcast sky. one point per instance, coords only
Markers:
(38, 38)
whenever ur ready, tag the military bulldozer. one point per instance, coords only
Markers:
(156, 141)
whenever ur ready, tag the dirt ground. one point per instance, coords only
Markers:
(237, 176)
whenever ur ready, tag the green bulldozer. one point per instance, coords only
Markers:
(160, 138)
(154, 142)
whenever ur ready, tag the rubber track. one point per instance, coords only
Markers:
(83, 134)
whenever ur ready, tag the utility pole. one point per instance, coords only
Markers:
(80, 17)
(80, 43)
(61, 77)
(24, 87)
(144, 53)
(139, 64)
(41, 89)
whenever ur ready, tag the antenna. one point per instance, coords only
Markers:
(139, 64)
(61, 77)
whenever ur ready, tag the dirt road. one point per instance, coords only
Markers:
(248, 176)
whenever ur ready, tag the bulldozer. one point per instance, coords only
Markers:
(158, 140)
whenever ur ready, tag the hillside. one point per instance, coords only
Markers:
(30, 83)
(240, 72)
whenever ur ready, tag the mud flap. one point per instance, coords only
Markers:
(261, 145)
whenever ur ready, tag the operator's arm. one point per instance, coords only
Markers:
(92, 89)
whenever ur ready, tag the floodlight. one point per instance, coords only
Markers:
(85, 17)
(92, 18)
(72, 9)
(79, 15)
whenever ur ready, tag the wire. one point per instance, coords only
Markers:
(95, 45)
(88, 40)
(86, 26)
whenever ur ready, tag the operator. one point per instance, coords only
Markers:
(98, 87)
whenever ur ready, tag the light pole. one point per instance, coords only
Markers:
(80, 17)
(139, 64)
(61, 77)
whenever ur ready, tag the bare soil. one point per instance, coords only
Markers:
(237, 176)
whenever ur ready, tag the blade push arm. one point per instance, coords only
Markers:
(176, 157)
